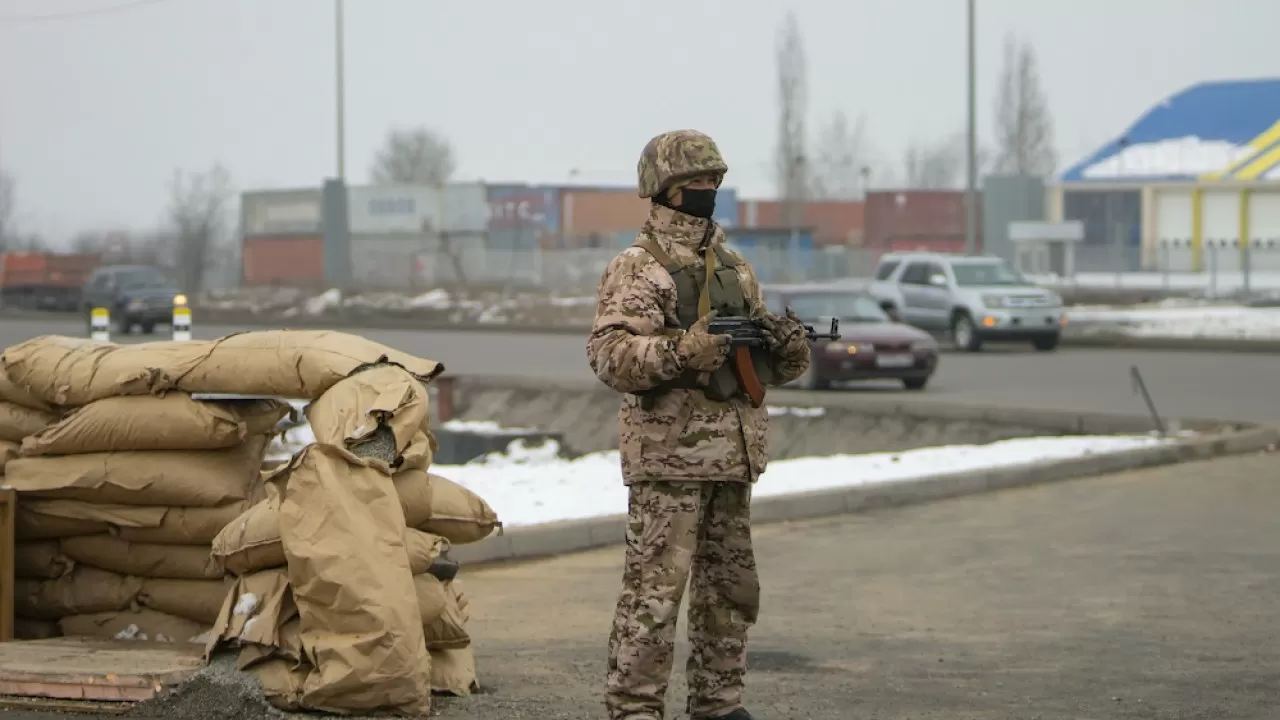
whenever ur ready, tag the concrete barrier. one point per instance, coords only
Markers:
(527, 542)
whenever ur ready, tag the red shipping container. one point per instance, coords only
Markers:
(585, 213)
(31, 269)
(284, 260)
(924, 218)
(834, 222)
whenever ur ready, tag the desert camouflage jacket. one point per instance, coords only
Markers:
(684, 435)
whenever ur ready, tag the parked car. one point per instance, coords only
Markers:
(136, 295)
(871, 346)
(971, 299)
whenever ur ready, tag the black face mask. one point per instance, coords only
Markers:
(698, 203)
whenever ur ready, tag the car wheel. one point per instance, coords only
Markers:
(964, 335)
(915, 383)
(811, 380)
(124, 325)
(1049, 343)
(148, 328)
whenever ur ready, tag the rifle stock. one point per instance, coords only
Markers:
(745, 371)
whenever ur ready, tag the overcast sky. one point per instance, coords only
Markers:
(97, 111)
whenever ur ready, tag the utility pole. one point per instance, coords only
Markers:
(340, 72)
(971, 182)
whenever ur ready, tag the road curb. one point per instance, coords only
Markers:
(357, 322)
(535, 541)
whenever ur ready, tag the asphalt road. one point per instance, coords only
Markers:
(1238, 386)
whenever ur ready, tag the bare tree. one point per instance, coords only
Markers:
(6, 209)
(1024, 127)
(933, 166)
(198, 212)
(417, 156)
(840, 159)
(790, 165)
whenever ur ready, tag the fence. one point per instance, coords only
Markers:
(1225, 267)
(578, 270)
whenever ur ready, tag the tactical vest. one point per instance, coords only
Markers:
(699, 290)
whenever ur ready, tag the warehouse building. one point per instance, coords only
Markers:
(1192, 185)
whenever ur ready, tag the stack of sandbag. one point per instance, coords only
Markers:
(120, 501)
(94, 514)
(21, 414)
(342, 601)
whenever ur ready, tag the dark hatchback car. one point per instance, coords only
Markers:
(136, 295)
(872, 346)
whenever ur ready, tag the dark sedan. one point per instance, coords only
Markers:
(872, 346)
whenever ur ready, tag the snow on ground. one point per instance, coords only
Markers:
(1220, 283)
(1172, 320)
(531, 485)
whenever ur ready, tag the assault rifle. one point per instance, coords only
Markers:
(746, 333)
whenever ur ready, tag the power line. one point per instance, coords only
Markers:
(122, 7)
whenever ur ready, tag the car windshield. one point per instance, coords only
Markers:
(144, 278)
(846, 306)
(981, 274)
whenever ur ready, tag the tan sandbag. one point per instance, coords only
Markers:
(464, 600)
(453, 671)
(343, 534)
(437, 505)
(443, 622)
(177, 562)
(141, 625)
(30, 524)
(29, 629)
(285, 363)
(185, 526)
(350, 411)
(17, 422)
(40, 560)
(156, 478)
(172, 422)
(47, 518)
(83, 590)
(282, 682)
(11, 393)
(196, 600)
(254, 610)
(9, 451)
(252, 542)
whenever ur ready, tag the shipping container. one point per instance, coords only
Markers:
(928, 218)
(50, 281)
(523, 216)
(387, 261)
(594, 217)
(284, 260)
(281, 212)
(382, 209)
(776, 255)
(834, 222)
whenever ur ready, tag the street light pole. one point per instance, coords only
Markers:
(340, 72)
(971, 182)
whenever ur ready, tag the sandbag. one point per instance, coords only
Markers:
(11, 393)
(196, 600)
(282, 682)
(172, 422)
(41, 560)
(141, 625)
(343, 536)
(28, 629)
(453, 671)
(17, 422)
(9, 451)
(285, 363)
(156, 478)
(30, 524)
(83, 590)
(252, 542)
(177, 562)
(437, 505)
(254, 609)
(348, 413)
(42, 519)
(443, 623)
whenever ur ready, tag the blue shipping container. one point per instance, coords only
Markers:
(523, 215)
(726, 208)
(776, 255)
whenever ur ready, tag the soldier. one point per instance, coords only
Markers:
(691, 443)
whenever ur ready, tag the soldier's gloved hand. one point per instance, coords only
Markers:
(783, 335)
(699, 349)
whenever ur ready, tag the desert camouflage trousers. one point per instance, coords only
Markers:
(684, 532)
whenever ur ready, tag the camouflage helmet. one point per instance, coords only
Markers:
(677, 155)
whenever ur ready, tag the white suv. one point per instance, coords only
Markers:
(970, 298)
